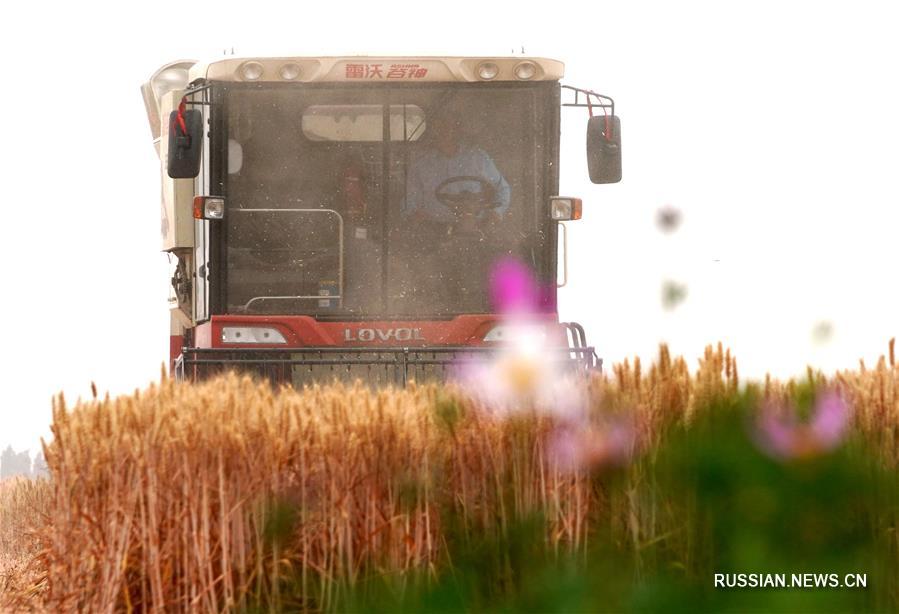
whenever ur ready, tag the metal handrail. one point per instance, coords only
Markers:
(605, 102)
(339, 295)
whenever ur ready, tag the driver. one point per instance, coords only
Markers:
(448, 158)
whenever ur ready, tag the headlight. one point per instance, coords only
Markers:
(563, 208)
(488, 70)
(209, 207)
(525, 70)
(251, 71)
(517, 333)
(251, 334)
(289, 72)
(174, 78)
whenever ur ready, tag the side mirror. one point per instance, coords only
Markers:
(185, 144)
(604, 149)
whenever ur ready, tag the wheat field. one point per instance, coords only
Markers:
(206, 497)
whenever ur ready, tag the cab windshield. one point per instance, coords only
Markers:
(380, 202)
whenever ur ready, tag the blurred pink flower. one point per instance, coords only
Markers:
(780, 434)
(513, 289)
(572, 447)
(523, 376)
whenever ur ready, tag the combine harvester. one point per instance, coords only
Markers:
(341, 216)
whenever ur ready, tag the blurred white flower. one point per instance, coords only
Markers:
(515, 381)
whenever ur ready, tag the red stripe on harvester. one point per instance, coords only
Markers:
(608, 122)
(180, 118)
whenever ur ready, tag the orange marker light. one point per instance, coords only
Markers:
(209, 207)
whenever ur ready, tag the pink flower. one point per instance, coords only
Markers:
(524, 373)
(515, 292)
(572, 447)
(780, 435)
(513, 289)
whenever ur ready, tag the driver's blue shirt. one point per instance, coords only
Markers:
(431, 168)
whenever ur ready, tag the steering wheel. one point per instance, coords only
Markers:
(464, 200)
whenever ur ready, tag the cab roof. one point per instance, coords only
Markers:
(379, 69)
(344, 69)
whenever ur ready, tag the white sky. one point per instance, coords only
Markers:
(772, 127)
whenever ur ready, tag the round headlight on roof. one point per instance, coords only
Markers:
(290, 71)
(251, 70)
(488, 70)
(174, 78)
(525, 70)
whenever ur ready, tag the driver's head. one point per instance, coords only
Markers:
(446, 132)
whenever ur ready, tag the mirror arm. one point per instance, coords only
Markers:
(605, 102)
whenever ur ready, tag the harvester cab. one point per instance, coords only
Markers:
(344, 216)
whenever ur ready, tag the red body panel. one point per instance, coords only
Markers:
(306, 331)
(176, 342)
